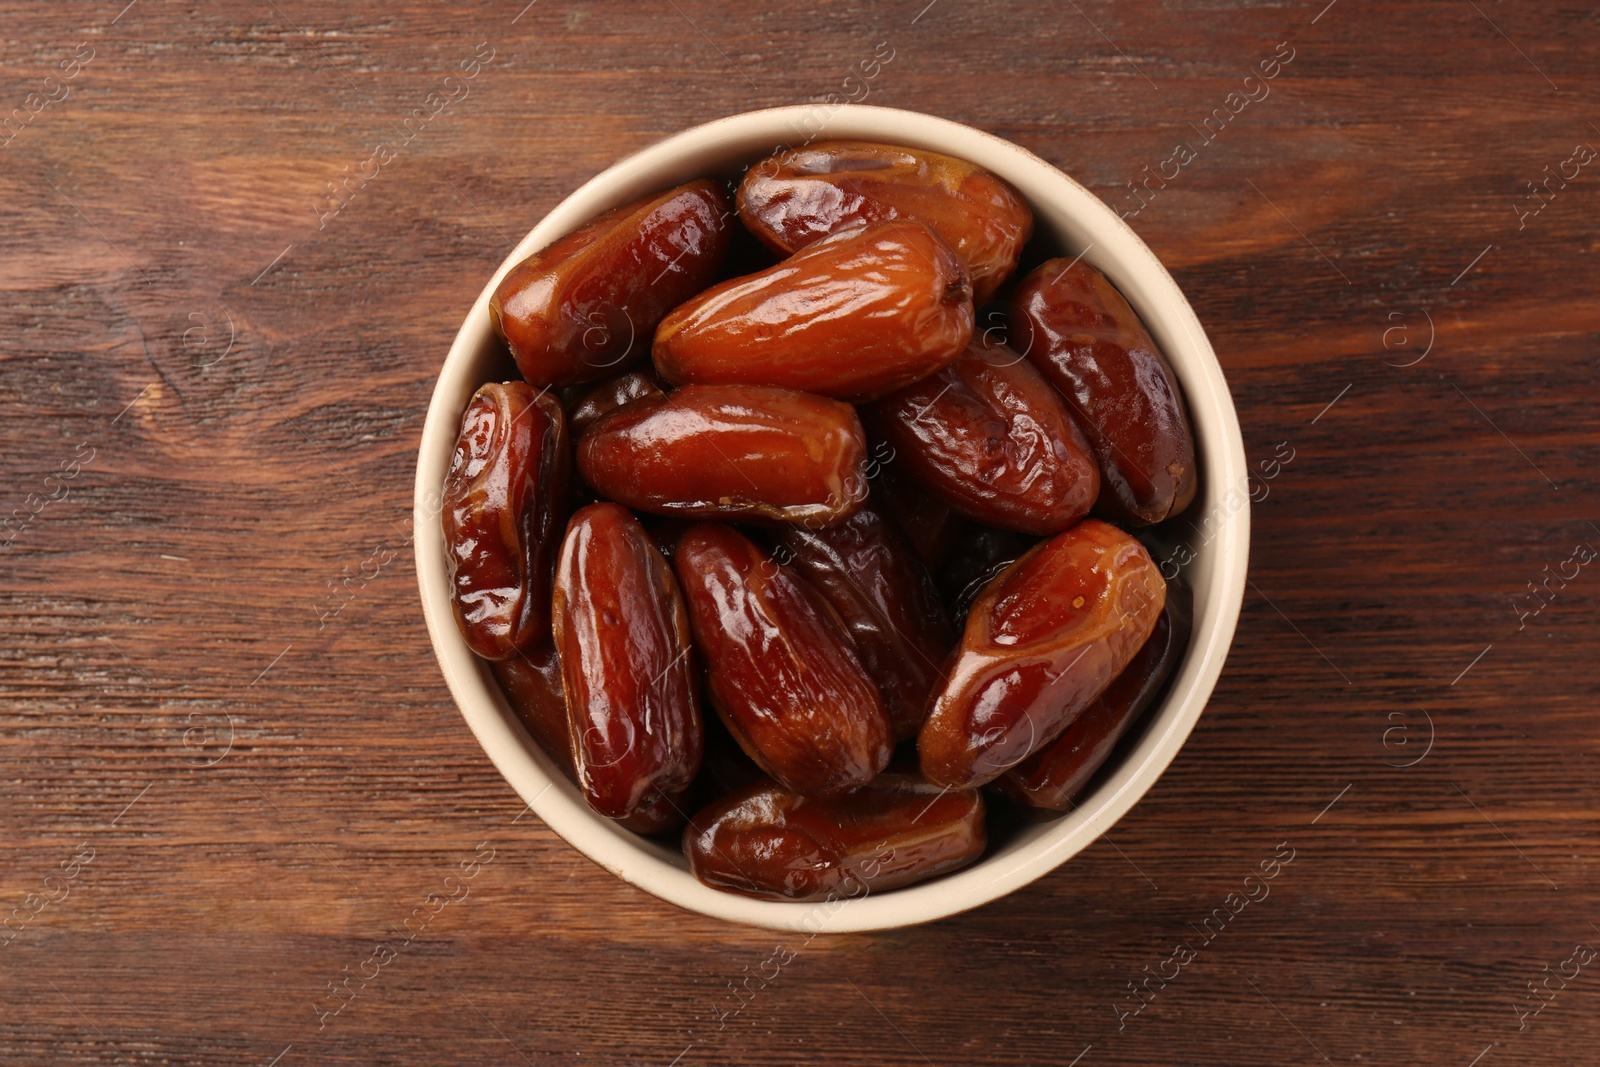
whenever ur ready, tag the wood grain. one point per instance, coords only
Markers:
(262, 755)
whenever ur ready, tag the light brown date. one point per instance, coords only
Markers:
(1043, 640)
(745, 451)
(801, 195)
(881, 589)
(505, 497)
(587, 305)
(608, 396)
(1052, 778)
(782, 670)
(1082, 335)
(852, 316)
(991, 438)
(767, 841)
(623, 636)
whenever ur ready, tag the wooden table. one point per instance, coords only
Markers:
(229, 767)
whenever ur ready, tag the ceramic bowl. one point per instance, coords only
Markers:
(1078, 223)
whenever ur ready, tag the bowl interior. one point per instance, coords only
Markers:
(1067, 216)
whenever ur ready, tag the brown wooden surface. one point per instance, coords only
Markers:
(182, 588)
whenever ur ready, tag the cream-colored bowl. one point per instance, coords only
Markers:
(1220, 544)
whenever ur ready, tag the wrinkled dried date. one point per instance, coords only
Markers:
(1043, 640)
(1082, 335)
(852, 316)
(623, 637)
(882, 591)
(1051, 778)
(744, 451)
(799, 196)
(993, 440)
(767, 841)
(781, 669)
(505, 497)
(588, 304)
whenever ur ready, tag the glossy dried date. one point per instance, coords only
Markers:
(623, 637)
(532, 685)
(744, 451)
(607, 397)
(1043, 640)
(533, 688)
(804, 194)
(873, 578)
(767, 841)
(1051, 778)
(587, 305)
(1082, 335)
(852, 316)
(505, 497)
(781, 669)
(991, 438)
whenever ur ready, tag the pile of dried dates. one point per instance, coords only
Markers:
(760, 462)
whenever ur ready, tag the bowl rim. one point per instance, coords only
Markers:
(1147, 285)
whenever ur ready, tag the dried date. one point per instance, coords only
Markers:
(709, 451)
(1043, 640)
(505, 497)
(781, 668)
(875, 581)
(853, 316)
(607, 397)
(1085, 338)
(1052, 778)
(804, 194)
(623, 637)
(992, 439)
(587, 305)
(767, 841)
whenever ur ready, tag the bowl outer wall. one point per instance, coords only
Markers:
(1221, 514)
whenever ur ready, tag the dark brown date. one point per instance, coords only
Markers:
(608, 396)
(660, 813)
(623, 637)
(743, 451)
(801, 195)
(505, 497)
(533, 687)
(991, 438)
(933, 528)
(1052, 778)
(978, 556)
(587, 305)
(725, 768)
(1043, 640)
(781, 668)
(1082, 335)
(852, 316)
(767, 841)
(881, 589)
